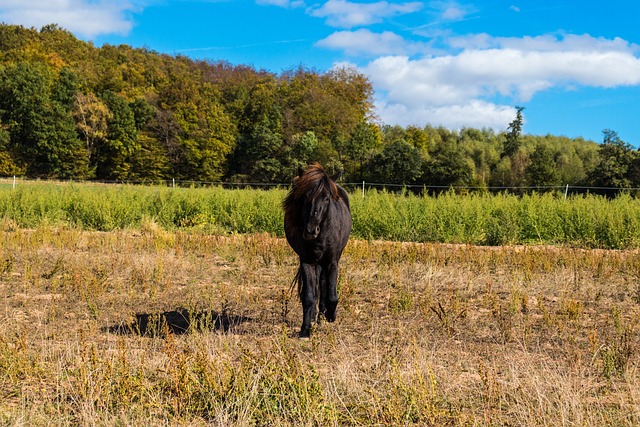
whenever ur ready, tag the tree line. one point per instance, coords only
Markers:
(71, 110)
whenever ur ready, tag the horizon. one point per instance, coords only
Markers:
(573, 67)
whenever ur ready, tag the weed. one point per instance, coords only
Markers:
(504, 316)
(491, 391)
(285, 299)
(450, 314)
(571, 309)
(6, 264)
(401, 301)
(617, 352)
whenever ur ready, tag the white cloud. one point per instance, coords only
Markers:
(475, 113)
(287, 4)
(345, 14)
(83, 17)
(446, 11)
(544, 43)
(460, 89)
(363, 42)
(453, 13)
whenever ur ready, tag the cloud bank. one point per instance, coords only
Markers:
(86, 18)
(459, 88)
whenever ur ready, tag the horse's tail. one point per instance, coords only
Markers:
(297, 280)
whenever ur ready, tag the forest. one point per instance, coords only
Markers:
(71, 110)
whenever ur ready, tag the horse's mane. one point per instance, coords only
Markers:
(308, 186)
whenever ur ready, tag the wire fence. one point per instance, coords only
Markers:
(362, 187)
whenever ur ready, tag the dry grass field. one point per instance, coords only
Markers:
(149, 327)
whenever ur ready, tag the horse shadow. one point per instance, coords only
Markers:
(178, 322)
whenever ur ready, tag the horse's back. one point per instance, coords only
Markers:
(344, 196)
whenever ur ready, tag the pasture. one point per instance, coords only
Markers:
(194, 324)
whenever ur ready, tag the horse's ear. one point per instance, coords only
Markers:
(300, 172)
(336, 176)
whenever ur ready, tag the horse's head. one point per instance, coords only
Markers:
(314, 212)
(321, 192)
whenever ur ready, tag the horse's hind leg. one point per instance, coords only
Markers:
(330, 294)
(308, 297)
(322, 281)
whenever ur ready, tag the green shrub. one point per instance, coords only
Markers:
(582, 220)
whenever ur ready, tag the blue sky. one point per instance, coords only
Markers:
(574, 65)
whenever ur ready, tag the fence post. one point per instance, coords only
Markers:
(14, 182)
(173, 182)
(566, 191)
(363, 189)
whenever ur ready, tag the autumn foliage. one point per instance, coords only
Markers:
(71, 110)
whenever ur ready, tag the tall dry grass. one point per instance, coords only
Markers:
(157, 327)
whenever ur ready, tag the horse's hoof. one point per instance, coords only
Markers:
(304, 333)
(330, 316)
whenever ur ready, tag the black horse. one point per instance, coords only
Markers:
(317, 223)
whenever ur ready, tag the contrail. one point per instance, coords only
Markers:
(453, 21)
(242, 46)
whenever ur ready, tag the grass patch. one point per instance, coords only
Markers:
(167, 327)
